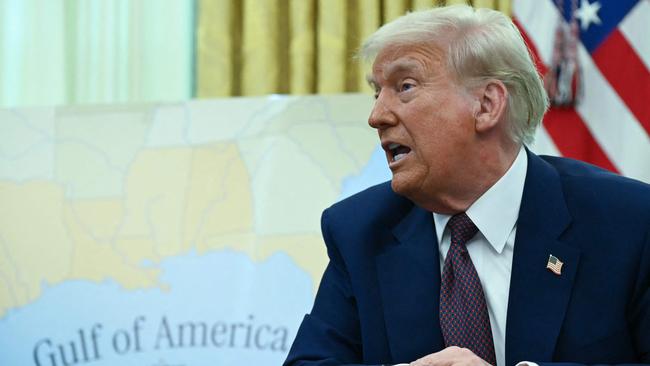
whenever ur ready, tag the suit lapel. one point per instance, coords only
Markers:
(409, 278)
(538, 298)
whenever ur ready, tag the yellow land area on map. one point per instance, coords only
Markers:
(175, 200)
(112, 214)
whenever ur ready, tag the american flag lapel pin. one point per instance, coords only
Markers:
(554, 264)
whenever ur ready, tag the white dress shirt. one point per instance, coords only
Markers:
(495, 214)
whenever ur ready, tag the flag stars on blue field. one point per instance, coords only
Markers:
(588, 14)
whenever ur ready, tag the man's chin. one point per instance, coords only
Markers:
(401, 186)
(412, 189)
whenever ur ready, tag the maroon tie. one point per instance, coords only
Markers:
(464, 317)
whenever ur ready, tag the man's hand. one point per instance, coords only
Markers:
(449, 356)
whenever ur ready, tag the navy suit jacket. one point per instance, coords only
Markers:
(378, 299)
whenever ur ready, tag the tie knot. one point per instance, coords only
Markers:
(462, 228)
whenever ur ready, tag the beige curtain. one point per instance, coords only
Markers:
(254, 47)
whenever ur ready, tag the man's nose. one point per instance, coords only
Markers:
(382, 115)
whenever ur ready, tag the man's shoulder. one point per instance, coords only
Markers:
(374, 200)
(375, 206)
(369, 197)
(585, 183)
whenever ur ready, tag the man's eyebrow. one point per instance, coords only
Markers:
(395, 67)
(401, 66)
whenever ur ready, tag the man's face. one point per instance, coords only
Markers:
(425, 123)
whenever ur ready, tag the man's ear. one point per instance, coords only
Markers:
(493, 98)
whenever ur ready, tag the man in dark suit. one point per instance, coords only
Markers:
(478, 251)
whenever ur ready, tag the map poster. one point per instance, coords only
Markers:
(171, 234)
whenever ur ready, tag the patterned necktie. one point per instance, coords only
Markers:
(464, 317)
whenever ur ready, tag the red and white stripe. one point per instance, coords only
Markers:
(610, 127)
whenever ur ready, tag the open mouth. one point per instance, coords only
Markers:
(397, 151)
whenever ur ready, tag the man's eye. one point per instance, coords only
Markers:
(406, 86)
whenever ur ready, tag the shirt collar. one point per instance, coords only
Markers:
(495, 212)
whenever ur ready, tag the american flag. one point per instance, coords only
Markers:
(610, 125)
(554, 264)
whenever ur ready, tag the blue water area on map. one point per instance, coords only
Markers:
(248, 311)
(375, 172)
